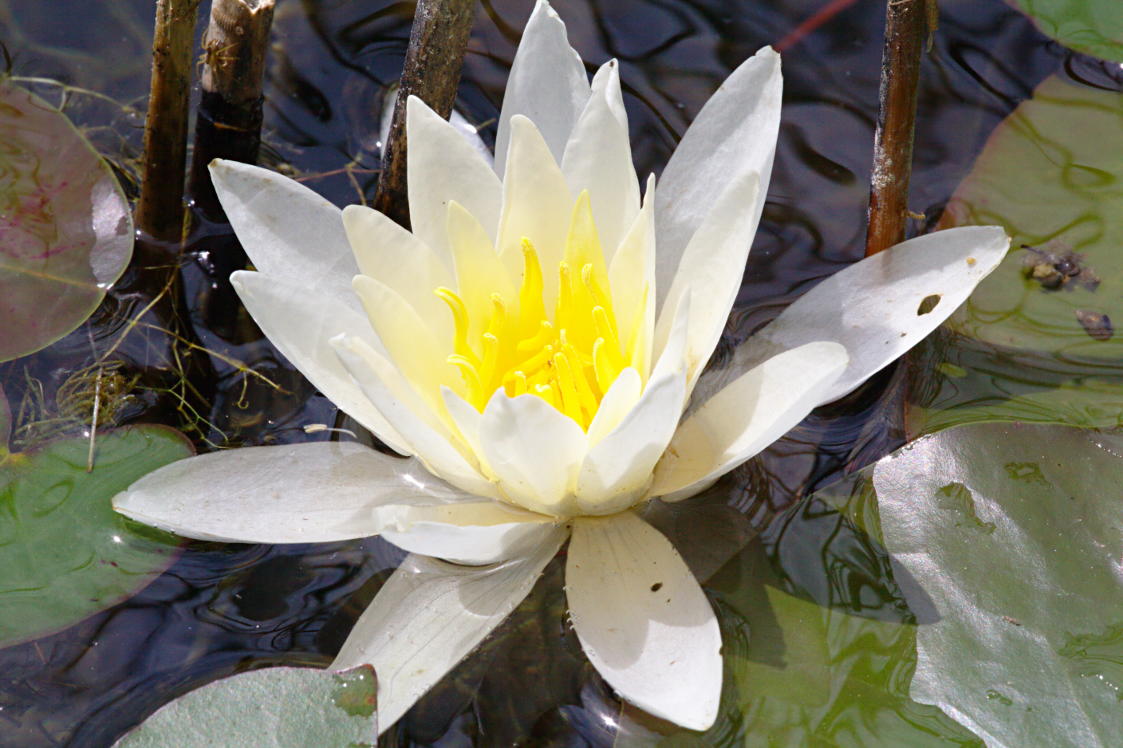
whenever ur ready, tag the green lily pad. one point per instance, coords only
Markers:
(1094, 27)
(957, 380)
(1007, 539)
(64, 553)
(279, 707)
(66, 233)
(818, 643)
(1057, 189)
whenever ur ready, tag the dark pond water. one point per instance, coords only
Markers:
(225, 608)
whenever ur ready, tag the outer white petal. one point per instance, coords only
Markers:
(631, 275)
(734, 134)
(471, 532)
(547, 83)
(397, 259)
(755, 410)
(294, 493)
(300, 325)
(642, 619)
(617, 470)
(598, 158)
(534, 450)
(443, 166)
(429, 615)
(420, 429)
(287, 230)
(537, 205)
(873, 306)
(711, 271)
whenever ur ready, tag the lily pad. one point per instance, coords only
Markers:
(66, 233)
(817, 639)
(1008, 540)
(1058, 191)
(1094, 27)
(64, 553)
(279, 707)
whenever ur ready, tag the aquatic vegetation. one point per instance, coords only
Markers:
(533, 345)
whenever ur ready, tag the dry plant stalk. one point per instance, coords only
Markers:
(905, 24)
(434, 58)
(160, 212)
(230, 110)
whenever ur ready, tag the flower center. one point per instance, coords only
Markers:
(569, 360)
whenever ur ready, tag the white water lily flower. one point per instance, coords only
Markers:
(532, 345)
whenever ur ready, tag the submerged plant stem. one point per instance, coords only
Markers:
(432, 73)
(160, 212)
(905, 23)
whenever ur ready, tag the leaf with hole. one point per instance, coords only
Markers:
(66, 233)
(64, 553)
(1006, 541)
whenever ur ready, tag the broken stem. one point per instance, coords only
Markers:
(160, 211)
(892, 151)
(432, 73)
(230, 108)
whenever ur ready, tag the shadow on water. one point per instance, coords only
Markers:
(221, 609)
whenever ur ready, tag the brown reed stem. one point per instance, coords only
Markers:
(160, 211)
(892, 155)
(432, 73)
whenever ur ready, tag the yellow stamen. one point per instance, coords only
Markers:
(570, 358)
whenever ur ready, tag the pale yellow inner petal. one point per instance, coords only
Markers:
(570, 355)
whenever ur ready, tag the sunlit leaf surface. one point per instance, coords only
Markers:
(1037, 341)
(1094, 27)
(65, 229)
(276, 707)
(1007, 542)
(64, 552)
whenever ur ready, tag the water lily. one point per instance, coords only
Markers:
(532, 346)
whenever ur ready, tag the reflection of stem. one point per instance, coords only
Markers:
(160, 212)
(432, 73)
(892, 155)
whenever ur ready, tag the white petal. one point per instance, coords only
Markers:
(466, 419)
(536, 205)
(475, 532)
(622, 396)
(286, 229)
(547, 83)
(734, 134)
(631, 275)
(755, 410)
(413, 342)
(711, 272)
(293, 493)
(419, 426)
(300, 325)
(443, 166)
(428, 616)
(642, 619)
(534, 450)
(873, 306)
(617, 470)
(397, 259)
(598, 158)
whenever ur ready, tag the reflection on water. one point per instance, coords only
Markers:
(225, 608)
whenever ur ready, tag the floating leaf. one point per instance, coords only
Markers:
(1094, 27)
(66, 233)
(64, 552)
(279, 706)
(1008, 539)
(818, 643)
(1037, 339)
